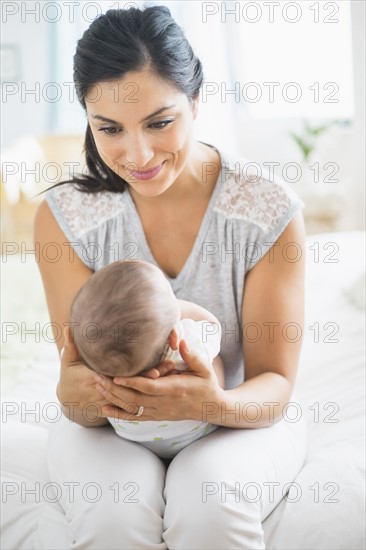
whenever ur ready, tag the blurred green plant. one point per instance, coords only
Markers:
(307, 140)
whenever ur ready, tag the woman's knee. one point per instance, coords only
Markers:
(127, 519)
(112, 490)
(205, 507)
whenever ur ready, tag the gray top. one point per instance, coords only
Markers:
(246, 214)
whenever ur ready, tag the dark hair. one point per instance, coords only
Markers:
(121, 41)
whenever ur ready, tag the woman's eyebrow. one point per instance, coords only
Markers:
(155, 113)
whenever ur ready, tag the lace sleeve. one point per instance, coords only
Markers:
(258, 201)
(259, 209)
(78, 213)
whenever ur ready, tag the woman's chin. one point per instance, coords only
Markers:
(149, 188)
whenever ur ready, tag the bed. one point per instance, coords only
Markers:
(324, 508)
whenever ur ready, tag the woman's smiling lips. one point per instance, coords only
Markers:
(148, 174)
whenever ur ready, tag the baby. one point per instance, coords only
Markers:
(126, 320)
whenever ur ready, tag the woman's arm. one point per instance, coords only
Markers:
(61, 280)
(274, 302)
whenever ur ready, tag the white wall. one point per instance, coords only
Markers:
(23, 112)
(357, 145)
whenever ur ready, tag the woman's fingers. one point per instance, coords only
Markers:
(160, 386)
(119, 395)
(122, 414)
(162, 396)
(166, 385)
(194, 363)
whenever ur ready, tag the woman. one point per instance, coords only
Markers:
(225, 241)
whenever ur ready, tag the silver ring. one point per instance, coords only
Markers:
(140, 411)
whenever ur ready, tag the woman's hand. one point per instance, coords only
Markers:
(80, 400)
(175, 397)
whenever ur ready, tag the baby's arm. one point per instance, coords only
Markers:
(189, 310)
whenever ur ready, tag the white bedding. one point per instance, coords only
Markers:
(325, 506)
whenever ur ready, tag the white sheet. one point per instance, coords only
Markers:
(327, 508)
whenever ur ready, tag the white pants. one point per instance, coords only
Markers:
(214, 494)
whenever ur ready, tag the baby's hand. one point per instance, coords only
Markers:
(164, 369)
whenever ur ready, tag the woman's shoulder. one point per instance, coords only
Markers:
(82, 212)
(251, 193)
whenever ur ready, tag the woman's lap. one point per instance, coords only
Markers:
(214, 494)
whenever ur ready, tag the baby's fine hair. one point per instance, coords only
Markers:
(122, 317)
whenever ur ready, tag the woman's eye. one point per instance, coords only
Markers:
(159, 125)
(109, 131)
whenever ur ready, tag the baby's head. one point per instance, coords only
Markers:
(122, 318)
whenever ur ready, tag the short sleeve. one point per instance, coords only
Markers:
(259, 208)
(84, 217)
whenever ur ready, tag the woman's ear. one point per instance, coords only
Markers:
(173, 339)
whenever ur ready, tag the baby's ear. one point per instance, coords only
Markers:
(173, 339)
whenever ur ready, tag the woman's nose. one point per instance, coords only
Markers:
(137, 153)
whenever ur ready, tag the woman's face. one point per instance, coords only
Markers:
(143, 129)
